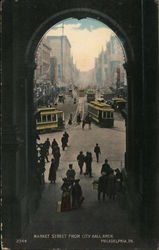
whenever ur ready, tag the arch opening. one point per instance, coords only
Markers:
(73, 73)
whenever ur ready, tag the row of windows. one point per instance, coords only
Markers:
(104, 115)
(107, 114)
(47, 118)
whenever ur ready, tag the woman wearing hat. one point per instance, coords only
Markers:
(52, 172)
(66, 201)
(77, 197)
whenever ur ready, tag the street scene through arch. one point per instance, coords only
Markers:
(80, 98)
(34, 212)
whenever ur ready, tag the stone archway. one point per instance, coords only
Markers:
(21, 36)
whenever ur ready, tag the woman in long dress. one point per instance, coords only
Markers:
(52, 172)
(66, 201)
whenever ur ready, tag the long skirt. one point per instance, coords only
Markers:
(66, 202)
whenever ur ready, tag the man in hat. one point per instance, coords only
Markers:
(77, 197)
(88, 161)
(70, 174)
(106, 168)
(102, 185)
(81, 160)
(97, 151)
(47, 145)
(66, 136)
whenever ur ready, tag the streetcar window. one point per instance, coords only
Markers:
(49, 118)
(108, 114)
(53, 117)
(104, 114)
(44, 118)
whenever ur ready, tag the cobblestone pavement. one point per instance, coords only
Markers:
(96, 225)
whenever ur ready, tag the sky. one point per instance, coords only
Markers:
(87, 38)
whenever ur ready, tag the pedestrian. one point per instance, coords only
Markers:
(111, 187)
(119, 180)
(102, 185)
(83, 124)
(77, 197)
(81, 160)
(43, 152)
(88, 161)
(52, 172)
(63, 140)
(54, 143)
(70, 120)
(106, 168)
(78, 118)
(47, 145)
(66, 136)
(41, 169)
(89, 121)
(57, 156)
(70, 174)
(97, 151)
(66, 199)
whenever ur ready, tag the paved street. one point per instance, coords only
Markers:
(94, 217)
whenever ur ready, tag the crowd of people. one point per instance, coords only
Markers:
(109, 183)
(86, 120)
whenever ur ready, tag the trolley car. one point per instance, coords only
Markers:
(81, 93)
(49, 119)
(119, 103)
(101, 113)
(90, 95)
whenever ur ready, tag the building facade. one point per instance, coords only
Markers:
(61, 50)
(42, 60)
(109, 64)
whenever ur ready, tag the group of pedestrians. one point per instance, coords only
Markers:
(64, 140)
(87, 160)
(42, 156)
(86, 120)
(72, 196)
(110, 181)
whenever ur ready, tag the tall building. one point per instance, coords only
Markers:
(61, 49)
(109, 64)
(42, 59)
(53, 69)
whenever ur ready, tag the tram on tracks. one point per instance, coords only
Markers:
(118, 103)
(101, 113)
(90, 95)
(49, 119)
(81, 92)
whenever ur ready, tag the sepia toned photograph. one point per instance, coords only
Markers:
(80, 125)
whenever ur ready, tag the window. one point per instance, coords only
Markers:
(111, 114)
(49, 118)
(53, 117)
(44, 118)
(108, 114)
(104, 115)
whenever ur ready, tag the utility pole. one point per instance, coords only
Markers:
(62, 37)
